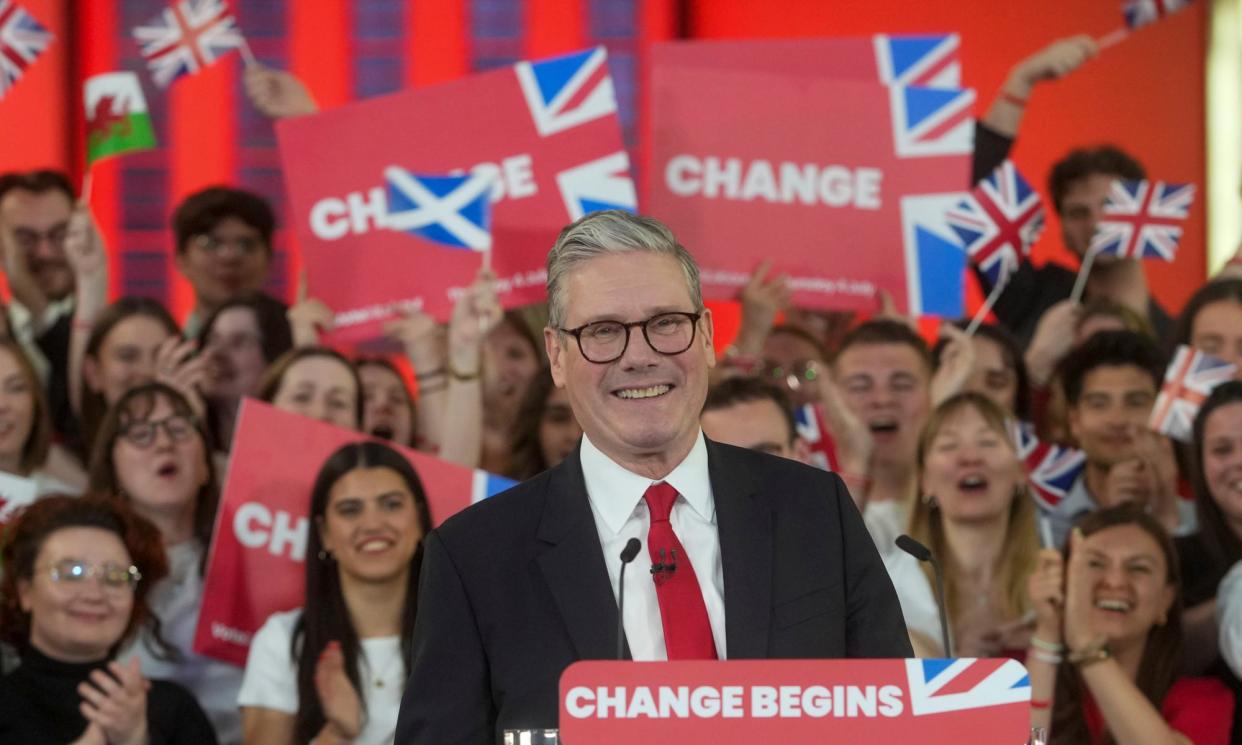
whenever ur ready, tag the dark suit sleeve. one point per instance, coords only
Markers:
(447, 700)
(874, 625)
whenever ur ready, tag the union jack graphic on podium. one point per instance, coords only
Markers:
(566, 91)
(453, 211)
(999, 222)
(22, 40)
(924, 61)
(1143, 220)
(186, 37)
(1051, 469)
(1189, 380)
(940, 686)
(1142, 12)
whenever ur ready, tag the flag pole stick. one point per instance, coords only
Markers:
(247, 55)
(977, 321)
(1080, 284)
(487, 259)
(86, 186)
(1112, 39)
(1045, 532)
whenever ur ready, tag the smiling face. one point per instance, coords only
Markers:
(886, 385)
(322, 388)
(1217, 330)
(17, 405)
(235, 349)
(1222, 460)
(370, 525)
(509, 363)
(645, 405)
(1112, 409)
(386, 410)
(160, 460)
(1129, 581)
(36, 224)
(971, 468)
(76, 621)
(126, 357)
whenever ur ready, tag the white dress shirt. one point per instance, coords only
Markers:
(620, 512)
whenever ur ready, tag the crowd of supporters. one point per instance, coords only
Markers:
(1126, 607)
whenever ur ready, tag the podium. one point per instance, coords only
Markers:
(931, 702)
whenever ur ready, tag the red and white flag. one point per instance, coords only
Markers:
(22, 40)
(1190, 379)
(186, 37)
(1143, 220)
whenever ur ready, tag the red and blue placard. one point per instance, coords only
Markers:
(796, 702)
(547, 131)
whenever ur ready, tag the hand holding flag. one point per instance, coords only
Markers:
(188, 36)
(1189, 380)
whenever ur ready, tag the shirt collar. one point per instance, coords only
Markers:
(615, 491)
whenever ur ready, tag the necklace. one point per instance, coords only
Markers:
(382, 676)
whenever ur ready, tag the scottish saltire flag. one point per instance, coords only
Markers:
(117, 120)
(453, 211)
(186, 37)
(999, 222)
(1051, 469)
(1190, 378)
(22, 40)
(932, 61)
(932, 121)
(1142, 12)
(566, 91)
(941, 686)
(809, 423)
(1143, 220)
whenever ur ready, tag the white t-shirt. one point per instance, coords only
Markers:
(914, 592)
(271, 679)
(885, 521)
(176, 601)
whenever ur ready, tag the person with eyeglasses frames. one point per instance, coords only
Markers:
(768, 553)
(76, 584)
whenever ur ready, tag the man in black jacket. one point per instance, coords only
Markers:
(744, 555)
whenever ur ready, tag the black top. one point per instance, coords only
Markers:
(39, 704)
(1201, 576)
(1033, 290)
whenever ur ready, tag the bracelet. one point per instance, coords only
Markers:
(1046, 646)
(430, 374)
(460, 376)
(1094, 652)
(1048, 657)
(1011, 99)
(1040, 704)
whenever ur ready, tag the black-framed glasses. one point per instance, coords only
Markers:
(28, 239)
(602, 342)
(75, 573)
(180, 427)
(801, 373)
(244, 245)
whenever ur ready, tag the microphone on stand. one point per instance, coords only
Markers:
(627, 555)
(923, 553)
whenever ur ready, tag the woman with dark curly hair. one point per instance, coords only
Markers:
(77, 577)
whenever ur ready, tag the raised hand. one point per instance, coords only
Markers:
(177, 365)
(475, 314)
(115, 702)
(276, 93)
(762, 298)
(1046, 589)
(1056, 60)
(1080, 630)
(1053, 339)
(308, 317)
(853, 439)
(957, 362)
(337, 696)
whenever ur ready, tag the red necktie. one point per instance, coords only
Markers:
(687, 632)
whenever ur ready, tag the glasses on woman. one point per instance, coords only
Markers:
(669, 334)
(178, 427)
(801, 373)
(113, 577)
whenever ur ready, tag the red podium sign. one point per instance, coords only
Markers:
(931, 702)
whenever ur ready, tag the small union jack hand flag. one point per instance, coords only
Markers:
(1142, 12)
(186, 37)
(809, 421)
(22, 40)
(1050, 468)
(1190, 378)
(1143, 220)
(999, 222)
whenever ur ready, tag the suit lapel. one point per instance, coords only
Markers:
(573, 565)
(744, 523)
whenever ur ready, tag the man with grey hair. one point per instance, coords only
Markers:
(744, 555)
